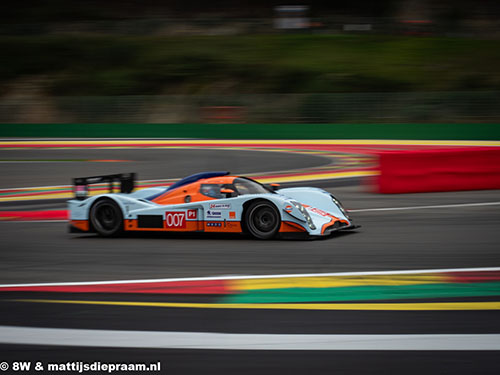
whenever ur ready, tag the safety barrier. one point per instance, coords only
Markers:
(418, 131)
(438, 170)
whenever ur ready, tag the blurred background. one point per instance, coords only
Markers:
(408, 77)
(223, 61)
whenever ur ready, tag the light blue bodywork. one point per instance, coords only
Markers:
(319, 205)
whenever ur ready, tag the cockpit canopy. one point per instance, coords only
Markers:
(208, 186)
(241, 186)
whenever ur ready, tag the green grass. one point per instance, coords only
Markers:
(92, 65)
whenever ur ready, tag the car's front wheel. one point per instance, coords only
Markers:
(106, 218)
(262, 220)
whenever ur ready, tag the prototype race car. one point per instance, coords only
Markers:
(206, 202)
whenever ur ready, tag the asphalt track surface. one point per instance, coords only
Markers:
(441, 237)
(435, 237)
(446, 237)
(31, 167)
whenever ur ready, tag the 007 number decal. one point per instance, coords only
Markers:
(175, 219)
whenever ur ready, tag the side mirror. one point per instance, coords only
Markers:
(228, 192)
(274, 187)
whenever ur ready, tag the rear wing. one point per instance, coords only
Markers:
(81, 184)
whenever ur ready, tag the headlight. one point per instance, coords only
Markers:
(304, 212)
(339, 205)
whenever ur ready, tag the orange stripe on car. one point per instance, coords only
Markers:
(331, 223)
(289, 226)
(80, 224)
(191, 226)
(133, 225)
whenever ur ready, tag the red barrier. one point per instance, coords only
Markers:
(33, 215)
(439, 170)
(155, 287)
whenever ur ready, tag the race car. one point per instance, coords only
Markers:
(206, 202)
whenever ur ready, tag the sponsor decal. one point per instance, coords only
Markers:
(175, 219)
(214, 224)
(232, 215)
(289, 208)
(214, 214)
(220, 206)
(319, 212)
(192, 214)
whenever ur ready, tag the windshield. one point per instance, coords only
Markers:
(211, 190)
(244, 186)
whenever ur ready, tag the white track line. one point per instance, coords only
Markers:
(244, 277)
(237, 341)
(459, 205)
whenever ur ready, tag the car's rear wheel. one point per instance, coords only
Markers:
(262, 220)
(106, 218)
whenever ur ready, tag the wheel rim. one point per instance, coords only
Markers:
(106, 217)
(263, 220)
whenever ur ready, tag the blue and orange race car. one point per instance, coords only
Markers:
(206, 202)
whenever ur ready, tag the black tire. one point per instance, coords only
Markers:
(262, 220)
(106, 218)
